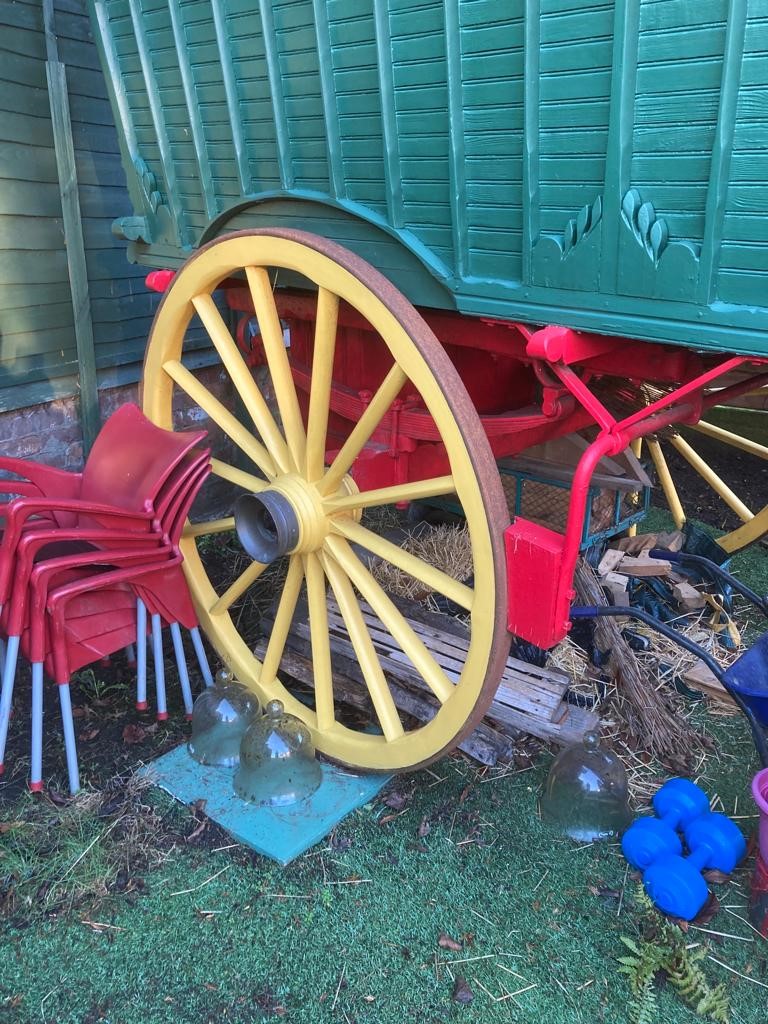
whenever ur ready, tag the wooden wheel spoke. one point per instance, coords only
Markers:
(430, 488)
(375, 680)
(320, 388)
(283, 618)
(321, 648)
(431, 577)
(238, 477)
(277, 360)
(636, 448)
(221, 416)
(242, 378)
(213, 526)
(708, 474)
(392, 619)
(238, 588)
(731, 439)
(746, 534)
(285, 442)
(666, 481)
(374, 413)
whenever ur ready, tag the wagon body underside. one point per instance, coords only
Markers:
(529, 387)
(584, 164)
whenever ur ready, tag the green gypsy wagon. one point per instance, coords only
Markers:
(452, 231)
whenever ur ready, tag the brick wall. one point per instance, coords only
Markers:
(51, 433)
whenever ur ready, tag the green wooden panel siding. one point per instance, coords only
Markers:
(585, 162)
(37, 341)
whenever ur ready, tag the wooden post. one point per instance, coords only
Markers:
(73, 231)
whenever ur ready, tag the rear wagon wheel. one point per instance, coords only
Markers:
(724, 483)
(319, 508)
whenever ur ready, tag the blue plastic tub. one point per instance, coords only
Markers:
(748, 676)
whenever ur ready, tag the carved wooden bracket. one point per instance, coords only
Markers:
(156, 219)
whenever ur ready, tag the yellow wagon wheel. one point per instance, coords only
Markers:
(310, 513)
(722, 481)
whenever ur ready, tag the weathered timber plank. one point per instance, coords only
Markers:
(485, 745)
(524, 687)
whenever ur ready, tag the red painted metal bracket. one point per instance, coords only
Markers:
(549, 589)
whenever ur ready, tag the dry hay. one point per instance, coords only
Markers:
(587, 679)
(446, 547)
(643, 718)
(671, 662)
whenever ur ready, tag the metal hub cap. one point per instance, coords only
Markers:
(267, 525)
(284, 519)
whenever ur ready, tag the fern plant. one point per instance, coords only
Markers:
(662, 951)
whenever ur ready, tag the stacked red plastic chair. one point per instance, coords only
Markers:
(79, 549)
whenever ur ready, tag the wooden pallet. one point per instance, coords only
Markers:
(529, 699)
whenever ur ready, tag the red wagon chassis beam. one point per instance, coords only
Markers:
(541, 563)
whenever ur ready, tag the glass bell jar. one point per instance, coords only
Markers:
(277, 760)
(220, 716)
(585, 794)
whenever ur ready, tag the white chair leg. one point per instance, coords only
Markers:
(70, 744)
(141, 656)
(181, 665)
(157, 655)
(130, 655)
(36, 773)
(202, 660)
(6, 695)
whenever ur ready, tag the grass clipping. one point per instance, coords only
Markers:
(57, 859)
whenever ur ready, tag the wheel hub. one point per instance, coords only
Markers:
(286, 518)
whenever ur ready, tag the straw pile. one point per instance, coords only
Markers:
(445, 546)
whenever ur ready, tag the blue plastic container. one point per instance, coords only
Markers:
(748, 676)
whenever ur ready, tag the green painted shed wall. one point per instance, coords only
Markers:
(37, 345)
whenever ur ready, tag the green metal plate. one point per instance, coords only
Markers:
(282, 833)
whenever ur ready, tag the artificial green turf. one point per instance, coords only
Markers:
(488, 874)
(254, 942)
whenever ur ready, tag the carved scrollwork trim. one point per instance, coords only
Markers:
(650, 231)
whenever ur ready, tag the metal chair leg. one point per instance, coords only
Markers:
(130, 655)
(181, 664)
(157, 655)
(36, 773)
(6, 695)
(141, 655)
(202, 660)
(70, 744)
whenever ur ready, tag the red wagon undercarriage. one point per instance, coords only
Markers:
(529, 386)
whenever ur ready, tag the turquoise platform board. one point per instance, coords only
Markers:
(282, 833)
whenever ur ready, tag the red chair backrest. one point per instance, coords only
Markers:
(175, 488)
(132, 459)
(166, 591)
(182, 507)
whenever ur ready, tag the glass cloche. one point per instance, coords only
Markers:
(220, 716)
(277, 760)
(585, 794)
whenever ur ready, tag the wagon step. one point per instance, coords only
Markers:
(529, 699)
